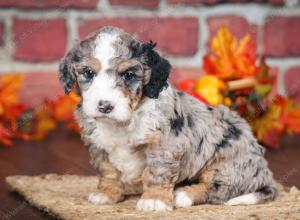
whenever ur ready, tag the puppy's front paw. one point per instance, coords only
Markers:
(152, 205)
(99, 199)
(182, 199)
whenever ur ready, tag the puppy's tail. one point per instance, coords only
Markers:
(267, 193)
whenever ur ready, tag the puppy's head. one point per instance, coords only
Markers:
(112, 72)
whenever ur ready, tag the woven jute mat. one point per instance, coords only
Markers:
(65, 196)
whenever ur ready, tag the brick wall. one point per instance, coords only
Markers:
(35, 34)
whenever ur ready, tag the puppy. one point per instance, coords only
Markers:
(145, 136)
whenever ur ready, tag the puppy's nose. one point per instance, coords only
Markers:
(105, 107)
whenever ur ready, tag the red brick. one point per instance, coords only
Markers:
(292, 82)
(210, 2)
(39, 86)
(193, 2)
(281, 36)
(237, 25)
(183, 73)
(44, 4)
(1, 33)
(175, 36)
(149, 4)
(246, 1)
(39, 40)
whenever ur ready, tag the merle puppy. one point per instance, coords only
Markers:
(145, 136)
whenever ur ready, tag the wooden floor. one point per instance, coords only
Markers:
(64, 153)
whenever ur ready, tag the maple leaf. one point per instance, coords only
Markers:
(61, 109)
(64, 106)
(231, 59)
(10, 108)
(10, 86)
(43, 124)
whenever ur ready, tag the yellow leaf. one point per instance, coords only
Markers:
(44, 123)
(209, 88)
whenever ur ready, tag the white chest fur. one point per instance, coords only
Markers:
(122, 143)
(116, 142)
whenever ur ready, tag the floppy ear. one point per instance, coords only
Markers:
(67, 74)
(66, 78)
(160, 70)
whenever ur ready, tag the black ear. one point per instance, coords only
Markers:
(160, 70)
(66, 78)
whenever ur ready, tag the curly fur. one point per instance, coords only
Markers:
(169, 138)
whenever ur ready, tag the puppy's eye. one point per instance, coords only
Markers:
(88, 73)
(128, 75)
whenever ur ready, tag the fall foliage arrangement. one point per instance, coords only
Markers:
(19, 121)
(235, 76)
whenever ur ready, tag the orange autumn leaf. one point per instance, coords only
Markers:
(293, 125)
(10, 86)
(74, 126)
(59, 110)
(63, 107)
(10, 108)
(64, 110)
(291, 116)
(231, 59)
(44, 123)
(36, 124)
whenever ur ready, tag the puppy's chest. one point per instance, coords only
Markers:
(122, 153)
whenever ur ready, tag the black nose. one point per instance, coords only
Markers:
(105, 107)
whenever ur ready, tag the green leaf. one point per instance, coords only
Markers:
(263, 89)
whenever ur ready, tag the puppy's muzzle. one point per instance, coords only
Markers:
(105, 107)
